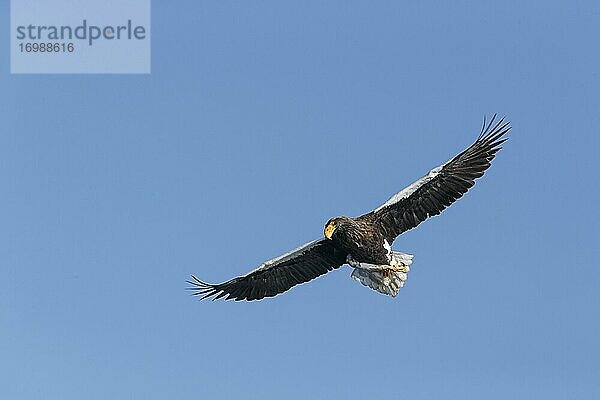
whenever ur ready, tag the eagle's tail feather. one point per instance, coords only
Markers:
(382, 278)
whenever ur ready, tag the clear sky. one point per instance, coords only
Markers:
(260, 121)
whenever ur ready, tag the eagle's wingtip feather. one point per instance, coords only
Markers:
(203, 289)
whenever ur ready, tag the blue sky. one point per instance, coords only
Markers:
(260, 121)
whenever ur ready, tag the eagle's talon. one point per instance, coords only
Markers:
(400, 268)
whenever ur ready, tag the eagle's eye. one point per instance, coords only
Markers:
(329, 230)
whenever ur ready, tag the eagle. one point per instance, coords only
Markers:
(364, 243)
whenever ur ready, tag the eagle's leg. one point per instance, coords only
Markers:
(397, 264)
(366, 266)
(351, 262)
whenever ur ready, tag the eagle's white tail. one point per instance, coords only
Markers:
(386, 279)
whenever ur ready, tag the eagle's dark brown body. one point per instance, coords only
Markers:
(360, 238)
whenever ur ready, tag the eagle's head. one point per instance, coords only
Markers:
(335, 226)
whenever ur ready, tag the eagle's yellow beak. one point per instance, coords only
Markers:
(329, 230)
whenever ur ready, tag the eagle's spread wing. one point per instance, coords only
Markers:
(443, 185)
(277, 275)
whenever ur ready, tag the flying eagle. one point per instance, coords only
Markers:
(365, 242)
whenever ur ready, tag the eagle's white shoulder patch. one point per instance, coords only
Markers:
(409, 190)
(289, 255)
